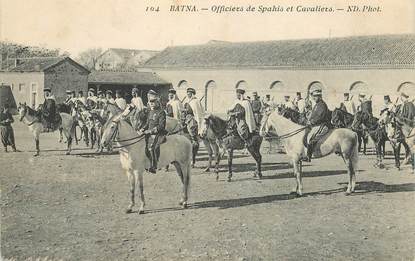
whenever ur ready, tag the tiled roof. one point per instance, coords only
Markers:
(111, 77)
(38, 64)
(127, 54)
(367, 51)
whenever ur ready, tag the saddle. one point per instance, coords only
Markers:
(315, 134)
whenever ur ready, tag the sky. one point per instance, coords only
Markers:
(76, 25)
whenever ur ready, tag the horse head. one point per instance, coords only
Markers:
(360, 118)
(22, 110)
(265, 126)
(337, 118)
(110, 130)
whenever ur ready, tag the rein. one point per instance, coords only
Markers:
(286, 135)
(24, 114)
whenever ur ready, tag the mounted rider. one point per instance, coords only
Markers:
(136, 101)
(388, 105)
(195, 108)
(406, 110)
(318, 121)
(174, 106)
(119, 100)
(50, 119)
(92, 99)
(288, 103)
(348, 105)
(365, 104)
(244, 115)
(81, 98)
(154, 129)
(299, 103)
(256, 107)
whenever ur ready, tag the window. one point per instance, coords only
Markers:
(21, 87)
(34, 87)
(183, 84)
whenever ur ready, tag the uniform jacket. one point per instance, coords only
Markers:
(174, 108)
(256, 106)
(248, 113)
(407, 110)
(319, 114)
(156, 122)
(6, 116)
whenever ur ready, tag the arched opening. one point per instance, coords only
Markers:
(407, 87)
(209, 93)
(241, 85)
(276, 85)
(315, 83)
(183, 84)
(358, 87)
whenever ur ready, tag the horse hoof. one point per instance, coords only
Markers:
(298, 195)
(68, 153)
(229, 180)
(141, 211)
(217, 177)
(128, 211)
(35, 155)
(184, 205)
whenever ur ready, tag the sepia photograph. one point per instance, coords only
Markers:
(207, 130)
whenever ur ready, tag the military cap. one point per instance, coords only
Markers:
(386, 97)
(240, 91)
(108, 92)
(81, 92)
(91, 90)
(254, 93)
(362, 95)
(346, 94)
(69, 92)
(268, 95)
(100, 92)
(135, 90)
(286, 96)
(152, 95)
(46, 89)
(172, 91)
(298, 93)
(191, 90)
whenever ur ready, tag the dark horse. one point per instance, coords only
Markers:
(343, 119)
(377, 133)
(226, 133)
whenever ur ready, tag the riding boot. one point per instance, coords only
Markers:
(153, 166)
(309, 152)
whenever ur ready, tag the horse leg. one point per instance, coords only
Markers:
(132, 181)
(139, 178)
(195, 149)
(37, 146)
(60, 135)
(209, 149)
(230, 157)
(69, 139)
(217, 159)
(299, 185)
(183, 172)
(254, 151)
(86, 138)
(407, 153)
(396, 146)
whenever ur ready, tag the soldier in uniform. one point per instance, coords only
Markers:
(6, 129)
(348, 105)
(268, 103)
(136, 101)
(319, 116)
(299, 103)
(387, 105)
(174, 106)
(407, 109)
(48, 109)
(154, 129)
(244, 114)
(365, 104)
(196, 108)
(81, 98)
(256, 107)
(288, 103)
(119, 100)
(109, 98)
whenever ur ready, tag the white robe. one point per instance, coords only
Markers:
(350, 106)
(82, 99)
(137, 102)
(198, 111)
(249, 114)
(121, 103)
(92, 98)
(177, 108)
(301, 105)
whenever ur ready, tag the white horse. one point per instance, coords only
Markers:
(29, 117)
(342, 141)
(177, 150)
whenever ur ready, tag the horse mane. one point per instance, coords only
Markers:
(30, 111)
(218, 123)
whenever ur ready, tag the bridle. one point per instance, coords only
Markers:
(275, 135)
(115, 136)
(24, 114)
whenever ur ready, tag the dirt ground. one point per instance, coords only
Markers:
(72, 208)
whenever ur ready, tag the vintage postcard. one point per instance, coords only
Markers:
(207, 130)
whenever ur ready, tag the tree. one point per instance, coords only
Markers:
(89, 58)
